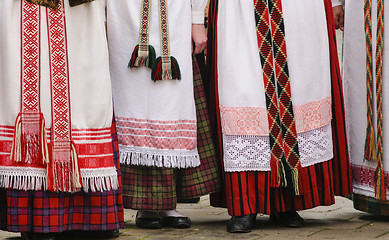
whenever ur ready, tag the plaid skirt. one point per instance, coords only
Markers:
(157, 189)
(49, 212)
(371, 205)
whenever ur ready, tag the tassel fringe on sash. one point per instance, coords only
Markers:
(30, 142)
(164, 67)
(374, 148)
(63, 173)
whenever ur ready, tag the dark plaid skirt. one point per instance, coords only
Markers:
(45, 212)
(157, 189)
(250, 192)
(371, 205)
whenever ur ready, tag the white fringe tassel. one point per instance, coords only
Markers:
(182, 159)
(94, 180)
(23, 181)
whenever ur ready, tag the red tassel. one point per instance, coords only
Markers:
(30, 140)
(63, 173)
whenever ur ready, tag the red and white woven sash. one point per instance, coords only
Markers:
(30, 143)
(63, 174)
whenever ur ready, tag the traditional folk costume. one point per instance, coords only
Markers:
(58, 169)
(365, 56)
(278, 104)
(165, 151)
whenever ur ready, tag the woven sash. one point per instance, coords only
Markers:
(285, 159)
(64, 173)
(55, 3)
(165, 66)
(30, 143)
(374, 148)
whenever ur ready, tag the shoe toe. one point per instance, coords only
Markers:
(288, 219)
(177, 222)
(241, 224)
(150, 223)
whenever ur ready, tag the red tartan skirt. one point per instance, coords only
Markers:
(250, 192)
(49, 212)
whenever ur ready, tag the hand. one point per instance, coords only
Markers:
(339, 17)
(199, 38)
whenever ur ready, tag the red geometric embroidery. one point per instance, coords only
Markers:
(363, 175)
(180, 135)
(61, 128)
(30, 69)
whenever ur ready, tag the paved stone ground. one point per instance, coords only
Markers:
(340, 221)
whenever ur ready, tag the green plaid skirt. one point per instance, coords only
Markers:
(371, 205)
(157, 189)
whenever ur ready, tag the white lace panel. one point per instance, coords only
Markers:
(252, 153)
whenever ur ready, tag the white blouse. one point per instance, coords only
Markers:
(337, 2)
(198, 7)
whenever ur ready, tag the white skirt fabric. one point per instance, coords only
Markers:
(156, 121)
(241, 88)
(91, 107)
(354, 71)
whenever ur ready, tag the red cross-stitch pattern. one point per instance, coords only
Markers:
(30, 57)
(59, 74)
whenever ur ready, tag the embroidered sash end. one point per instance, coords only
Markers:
(63, 173)
(30, 140)
(143, 55)
(166, 68)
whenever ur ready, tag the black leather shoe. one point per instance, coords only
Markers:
(38, 236)
(288, 219)
(177, 222)
(241, 224)
(150, 223)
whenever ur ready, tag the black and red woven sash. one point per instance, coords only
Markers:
(285, 158)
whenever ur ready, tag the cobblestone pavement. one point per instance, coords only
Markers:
(339, 221)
